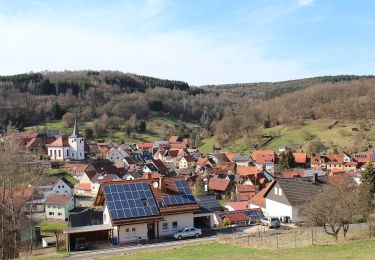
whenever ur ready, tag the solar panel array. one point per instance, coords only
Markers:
(130, 200)
(185, 196)
(208, 202)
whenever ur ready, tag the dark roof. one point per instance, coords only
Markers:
(160, 165)
(208, 203)
(67, 182)
(152, 167)
(300, 190)
(85, 217)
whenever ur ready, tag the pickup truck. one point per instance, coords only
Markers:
(187, 232)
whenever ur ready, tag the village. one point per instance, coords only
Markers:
(105, 195)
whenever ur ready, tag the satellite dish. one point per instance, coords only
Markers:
(155, 184)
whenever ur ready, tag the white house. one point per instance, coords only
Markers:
(149, 209)
(71, 148)
(58, 206)
(116, 154)
(284, 196)
(63, 187)
(99, 178)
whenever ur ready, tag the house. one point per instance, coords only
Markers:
(116, 154)
(146, 209)
(77, 170)
(251, 175)
(186, 161)
(58, 206)
(71, 148)
(219, 186)
(63, 187)
(245, 192)
(300, 159)
(264, 159)
(132, 176)
(237, 205)
(284, 196)
(242, 160)
(333, 161)
(99, 178)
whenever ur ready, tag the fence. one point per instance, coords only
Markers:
(292, 238)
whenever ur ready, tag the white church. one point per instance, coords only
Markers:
(68, 148)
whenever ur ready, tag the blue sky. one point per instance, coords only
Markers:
(201, 42)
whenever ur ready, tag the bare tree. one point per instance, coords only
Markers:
(339, 204)
(19, 169)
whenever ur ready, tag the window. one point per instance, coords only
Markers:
(275, 191)
(280, 192)
(59, 214)
(50, 214)
(174, 225)
(129, 232)
(165, 226)
(59, 153)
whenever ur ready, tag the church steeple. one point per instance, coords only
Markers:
(75, 130)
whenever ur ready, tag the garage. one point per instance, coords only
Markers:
(203, 221)
(97, 236)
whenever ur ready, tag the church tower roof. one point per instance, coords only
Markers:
(75, 130)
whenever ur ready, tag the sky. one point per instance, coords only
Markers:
(200, 42)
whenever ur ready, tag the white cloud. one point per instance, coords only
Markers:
(304, 2)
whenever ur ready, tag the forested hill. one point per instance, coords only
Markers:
(118, 100)
(269, 90)
(55, 83)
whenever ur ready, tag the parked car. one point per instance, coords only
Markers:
(285, 220)
(271, 222)
(187, 232)
(81, 243)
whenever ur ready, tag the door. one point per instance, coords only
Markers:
(151, 231)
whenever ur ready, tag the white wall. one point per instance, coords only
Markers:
(277, 209)
(61, 188)
(140, 231)
(183, 220)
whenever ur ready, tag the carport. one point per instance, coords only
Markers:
(204, 220)
(93, 233)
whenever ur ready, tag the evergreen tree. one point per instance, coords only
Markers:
(267, 122)
(89, 134)
(199, 188)
(287, 160)
(57, 111)
(368, 177)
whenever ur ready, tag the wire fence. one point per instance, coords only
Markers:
(293, 238)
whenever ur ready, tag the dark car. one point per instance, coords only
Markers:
(81, 243)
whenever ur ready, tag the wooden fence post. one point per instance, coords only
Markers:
(295, 239)
(277, 241)
(248, 241)
(312, 236)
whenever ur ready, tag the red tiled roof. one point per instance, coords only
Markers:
(237, 217)
(300, 157)
(145, 145)
(33, 143)
(84, 186)
(230, 156)
(106, 178)
(259, 199)
(60, 142)
(174, 139)
(189, 158)
(263, 156)
(202, 160)
(248, 170)
(238, 205)
(245, 188)
(218, 184)
(58, 199)
(77, 167)
(293, 173)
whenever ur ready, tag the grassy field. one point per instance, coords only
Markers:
(351, 250)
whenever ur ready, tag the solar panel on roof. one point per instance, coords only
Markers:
(185, 197)
(129, 200)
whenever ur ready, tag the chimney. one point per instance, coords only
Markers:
(161, 184)
(149, 176)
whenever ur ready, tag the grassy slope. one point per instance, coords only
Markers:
(350, 250)
(290, 135)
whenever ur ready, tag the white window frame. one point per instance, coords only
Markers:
(280, 192)
(275, 190)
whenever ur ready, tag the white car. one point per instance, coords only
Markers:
(187, 232)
